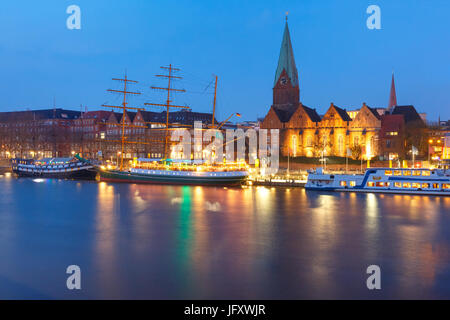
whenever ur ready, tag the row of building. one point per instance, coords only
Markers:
(368, 133)
(390, 133)
(95, 134)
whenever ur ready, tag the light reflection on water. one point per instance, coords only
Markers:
(141, 241)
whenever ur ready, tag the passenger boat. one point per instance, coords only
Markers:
(160, 171)
(60, 168)
(384, 180)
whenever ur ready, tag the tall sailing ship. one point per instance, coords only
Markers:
(165, 170)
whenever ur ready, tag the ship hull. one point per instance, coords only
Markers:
(82, 174)
(180, 179)
(77, 174)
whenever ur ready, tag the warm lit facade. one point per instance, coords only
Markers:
(365, 133)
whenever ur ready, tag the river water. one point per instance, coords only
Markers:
(169, 242)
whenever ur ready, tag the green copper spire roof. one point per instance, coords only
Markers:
(286, 60)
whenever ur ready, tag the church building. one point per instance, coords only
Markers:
(303, 132)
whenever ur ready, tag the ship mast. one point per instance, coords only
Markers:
(168, 105)
(124, 108)
(214, 105)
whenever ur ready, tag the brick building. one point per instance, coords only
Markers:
(94, 135)
(89, 133)
(367, 132)
(37, 133)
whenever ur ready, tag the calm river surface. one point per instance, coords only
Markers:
(168, 242)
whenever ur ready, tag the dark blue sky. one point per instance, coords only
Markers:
(338, 58)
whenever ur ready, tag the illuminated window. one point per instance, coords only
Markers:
(397, 173)
(416, 185)
(406, 173)
(406, 185)
(341, 144)
(294, 145)
(392, 133)
(416, 173)
(426, 173)
(352, 183)
(343, 183)
(380, 184)
(446, 186)
(398, 184)
(436, 186)
(370, 184)
(388, 172)
(425, 185)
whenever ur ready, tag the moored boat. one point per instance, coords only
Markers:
(59, 168)
(155, 171)
(384, 180)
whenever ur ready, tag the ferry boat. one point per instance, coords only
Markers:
(384, 180)
(60, 168)
(160, 171)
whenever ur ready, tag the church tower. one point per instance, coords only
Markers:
(286, 90)
(392, 96)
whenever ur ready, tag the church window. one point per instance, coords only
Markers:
(294, 145)
(341, 144)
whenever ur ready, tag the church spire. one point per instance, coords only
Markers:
(392, 96)
(286, 60)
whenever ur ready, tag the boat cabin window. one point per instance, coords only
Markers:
(436, 186)
(380, 184)
(370, 184)
(397, 173)
(406, 173)
(446, 186)
(416, 185)
(406, 185)
(398, 184)
(426, 173)
(352, 183)
(416, 173)
(343, 183)
(388, 173)
(425, 185)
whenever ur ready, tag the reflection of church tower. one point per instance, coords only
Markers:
(286, 91)
(392, 97)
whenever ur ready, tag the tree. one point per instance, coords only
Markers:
(356, 151)
(416, 134)
(320, 146)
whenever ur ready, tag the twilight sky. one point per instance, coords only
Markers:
(339, 59)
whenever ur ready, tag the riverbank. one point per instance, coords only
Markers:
(5, 166)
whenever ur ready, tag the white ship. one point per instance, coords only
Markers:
(384, 180)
